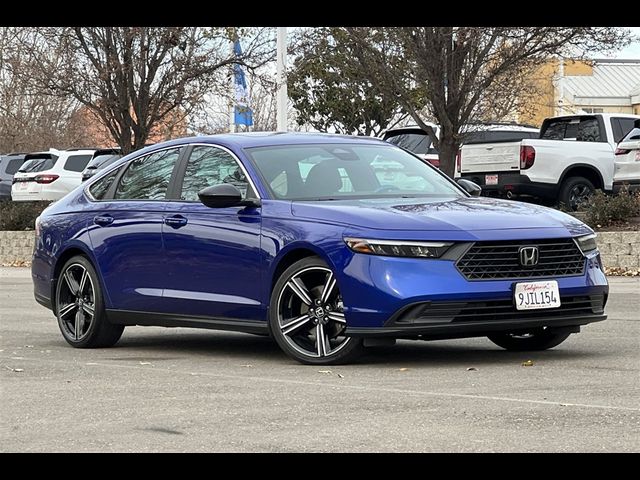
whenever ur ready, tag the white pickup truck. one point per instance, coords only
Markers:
(573, 156)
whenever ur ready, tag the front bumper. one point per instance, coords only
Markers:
(384, 295)
(515, 183)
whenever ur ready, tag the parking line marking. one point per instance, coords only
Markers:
(350, 387)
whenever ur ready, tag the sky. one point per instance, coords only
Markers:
(633, 49)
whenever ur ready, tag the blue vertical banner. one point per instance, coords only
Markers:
(242, 111)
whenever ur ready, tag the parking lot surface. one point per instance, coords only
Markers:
(198, 390)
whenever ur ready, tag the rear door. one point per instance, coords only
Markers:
(627, 158)
(492, 151)
(126, 230)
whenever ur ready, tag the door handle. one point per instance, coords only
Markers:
(176, 221)
(103, 220)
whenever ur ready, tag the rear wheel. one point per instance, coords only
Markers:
(536, 340)
(575, 191)
(80, 307)
(307, 318)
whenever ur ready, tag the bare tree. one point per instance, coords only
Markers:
(30, 121)
(134, 78)
(463, 72)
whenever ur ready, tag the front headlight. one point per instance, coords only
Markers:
(587, 243)
(398, 248)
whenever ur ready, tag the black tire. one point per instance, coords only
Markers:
(574, 191)
(534, 341)
(295, 324)
(93, 331)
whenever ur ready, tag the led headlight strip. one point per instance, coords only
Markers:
(398, 248)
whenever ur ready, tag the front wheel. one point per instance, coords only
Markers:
(80, 307)
(522, 342)
(306, 315)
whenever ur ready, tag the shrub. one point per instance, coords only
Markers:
(603, 210)
(20, 215)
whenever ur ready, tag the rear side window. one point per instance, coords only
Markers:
(621, 127)
(416, 142)
(77, 163)
(633, 135)
(577, 129)
(148, 177)
(13, 166)
(100, 188)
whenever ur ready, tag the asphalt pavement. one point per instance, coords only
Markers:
(200, 390)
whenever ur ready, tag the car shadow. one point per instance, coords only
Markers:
(250, 348)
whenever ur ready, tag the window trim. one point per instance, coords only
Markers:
(108, 196)
(182, 169)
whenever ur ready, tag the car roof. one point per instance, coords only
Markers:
(263, 139)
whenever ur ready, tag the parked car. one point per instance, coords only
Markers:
(416, 140)
(9, 165)
(231, 232)
(627, 161)
(101, 159)
(573, 156)
(51, 176)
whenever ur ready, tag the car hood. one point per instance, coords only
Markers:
(458, 214)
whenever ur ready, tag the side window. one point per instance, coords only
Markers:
(147, 178)
(625, 125)
(99, 189)
(77, 163)
(13, 166)
(208, 166)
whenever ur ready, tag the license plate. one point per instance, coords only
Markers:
(491, 179)
(537, 295)
(23, 185)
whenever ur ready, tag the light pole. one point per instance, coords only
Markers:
(281, 71)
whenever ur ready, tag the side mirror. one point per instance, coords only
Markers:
(223, 196)
(470, 187)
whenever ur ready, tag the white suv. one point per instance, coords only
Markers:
(50, 176)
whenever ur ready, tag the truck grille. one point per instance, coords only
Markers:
(500, 260)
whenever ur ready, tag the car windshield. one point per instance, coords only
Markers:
(343, 171)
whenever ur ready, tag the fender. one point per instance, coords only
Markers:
(581, 165)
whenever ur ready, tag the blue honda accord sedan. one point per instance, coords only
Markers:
(327, 243)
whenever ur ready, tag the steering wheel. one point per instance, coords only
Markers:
(386, 187)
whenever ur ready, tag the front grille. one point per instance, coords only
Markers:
(499, 260)
(491, 310)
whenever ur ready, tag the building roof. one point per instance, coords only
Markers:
(610, 79)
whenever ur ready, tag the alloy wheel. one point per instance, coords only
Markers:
(311, 313)
(579, 194)
(76, 302)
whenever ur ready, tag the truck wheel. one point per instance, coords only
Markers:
(575, 191)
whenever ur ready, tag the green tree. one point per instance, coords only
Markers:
(330, 91)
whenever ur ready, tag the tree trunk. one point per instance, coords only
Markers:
(447, 152)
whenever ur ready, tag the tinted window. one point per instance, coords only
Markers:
(581, 130)
(621, 126)
(100, 188)
(77, 163)
(101, 161)
(633, 135)
(337, 171)
(38, 165)
(416, 142)
(147, 178)
(209, 166)
(13, 166)
(489, 136)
